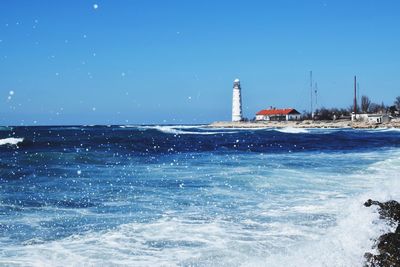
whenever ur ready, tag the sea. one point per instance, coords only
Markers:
(189, 195)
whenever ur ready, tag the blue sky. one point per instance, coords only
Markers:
(66, 62)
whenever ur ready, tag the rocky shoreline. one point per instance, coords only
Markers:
(388, 245)
(304, 124)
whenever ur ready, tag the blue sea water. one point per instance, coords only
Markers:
(192, 196)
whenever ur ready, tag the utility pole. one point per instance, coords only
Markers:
(311, 95)
(355, 95)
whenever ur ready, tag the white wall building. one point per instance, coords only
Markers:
(288, 114)
(237, 114)
(370, 118)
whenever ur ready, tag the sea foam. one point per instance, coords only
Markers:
(180, 129)
(292, 130)
(177, 239)
(11, 141)
(212, 207)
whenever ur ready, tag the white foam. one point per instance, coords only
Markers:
(171, 241)
(342, 245)
(67, 128)
(168, 126)
(379, 130)
(356, 226)
(177, 239)
(268, 128)
(11, 141)
(179, 129)
(292, 130)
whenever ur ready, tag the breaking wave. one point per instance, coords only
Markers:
(11, 141)
(292, 130)
(184, 239)
(180, 129)
(252, 198)
(382, 130)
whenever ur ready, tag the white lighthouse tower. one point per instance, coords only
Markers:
(236, 101)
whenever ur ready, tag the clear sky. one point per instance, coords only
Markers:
(146, 61)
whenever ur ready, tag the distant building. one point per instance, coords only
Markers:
(237, 114)
(273, 114)
(370, 118)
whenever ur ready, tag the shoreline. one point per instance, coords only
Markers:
(305, 124)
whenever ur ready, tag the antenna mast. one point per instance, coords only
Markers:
(316, 95)
(311, 94)
(355, 94)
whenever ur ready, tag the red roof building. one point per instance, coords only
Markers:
(273, 114)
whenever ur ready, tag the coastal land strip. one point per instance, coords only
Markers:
(305, 124)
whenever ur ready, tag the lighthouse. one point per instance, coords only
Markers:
(236, 101)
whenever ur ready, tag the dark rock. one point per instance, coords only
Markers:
(382, 260)
(388, 244)
(370, 202)
(388, 210)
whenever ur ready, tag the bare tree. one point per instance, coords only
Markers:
(384, 108)
(330, 113)
(365, 103)
(397, 103)
(374, 108)
(351, 108)
(392, 110)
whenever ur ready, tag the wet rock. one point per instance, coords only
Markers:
(388, 245)
(388, 210)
